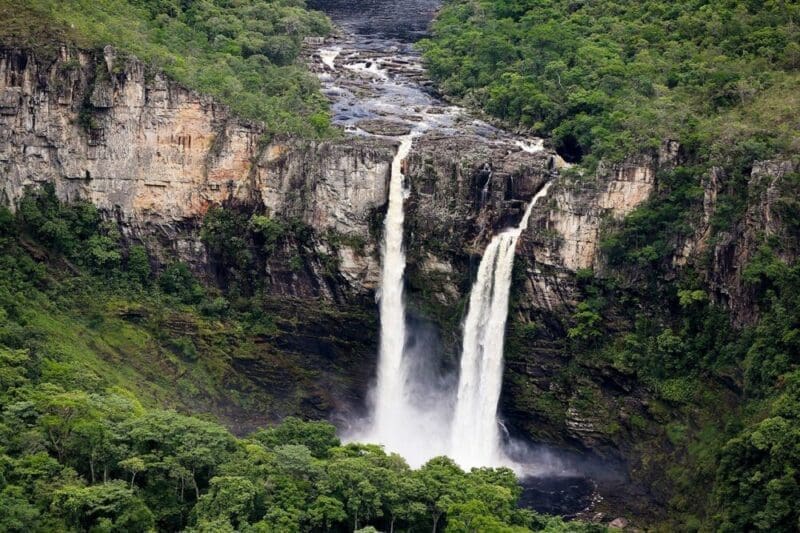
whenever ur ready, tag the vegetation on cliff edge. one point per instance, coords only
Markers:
(607, 78)
(245, 53)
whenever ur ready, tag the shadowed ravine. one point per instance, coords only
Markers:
(377, 87)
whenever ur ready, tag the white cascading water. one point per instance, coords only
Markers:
(475, 437)
(390, 389)
(399, 423)
(413, 408)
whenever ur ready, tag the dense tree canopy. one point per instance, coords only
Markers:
(606, 78)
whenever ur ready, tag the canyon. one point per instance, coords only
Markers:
(155, 157)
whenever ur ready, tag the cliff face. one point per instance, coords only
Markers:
(769, 189)
(155, 155)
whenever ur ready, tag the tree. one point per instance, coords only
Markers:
(474, 516)
(441, 479)
(353, 480)
(587, 326)
(134, 465)
(230, 498)
(318, 437)
(402, 496)
(139, 264)
(110, 504)
(326, 511)
(179, 281)
(61, 414)
(297, 461)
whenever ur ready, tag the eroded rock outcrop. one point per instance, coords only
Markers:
(155, 155)
(766, 220)
(463, 190)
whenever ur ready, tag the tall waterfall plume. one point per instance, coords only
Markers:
(389, 391)
(475, 438)
(400, 420)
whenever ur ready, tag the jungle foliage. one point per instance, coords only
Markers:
(87, 442)
(606, 78)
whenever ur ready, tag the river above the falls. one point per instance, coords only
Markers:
(374, 77)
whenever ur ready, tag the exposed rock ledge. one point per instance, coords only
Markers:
(156, 155)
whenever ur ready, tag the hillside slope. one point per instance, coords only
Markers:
(680, 345)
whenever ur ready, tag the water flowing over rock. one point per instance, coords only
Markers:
(377, 88)
(475, 436)
(391, 397)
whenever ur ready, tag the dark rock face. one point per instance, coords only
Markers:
(318, 362)
(764, 220)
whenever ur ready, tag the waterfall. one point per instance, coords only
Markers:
(475, 438)
(390, 397)
(400, 421)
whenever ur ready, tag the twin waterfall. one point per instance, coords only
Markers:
(467, 431)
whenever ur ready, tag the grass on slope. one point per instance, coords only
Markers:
(87, 310)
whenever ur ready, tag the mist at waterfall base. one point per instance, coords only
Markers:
(419, 409)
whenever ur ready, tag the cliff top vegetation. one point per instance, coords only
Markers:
(606, 78)
(245, 53)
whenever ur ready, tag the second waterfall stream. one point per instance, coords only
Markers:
(475, 439)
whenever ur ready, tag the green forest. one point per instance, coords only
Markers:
(88, 446)
(143, 392)
(605, 79)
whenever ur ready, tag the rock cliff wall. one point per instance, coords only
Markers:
(724, 256)
(156, 156)
(103, 127)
